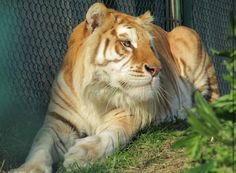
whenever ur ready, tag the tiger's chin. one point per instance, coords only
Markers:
(140, 90)
(141, 93)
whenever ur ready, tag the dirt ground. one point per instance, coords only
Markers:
(168, 160)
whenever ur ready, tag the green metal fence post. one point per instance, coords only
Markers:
(188, 13)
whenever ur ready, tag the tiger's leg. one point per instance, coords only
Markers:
(193, 62)
(206, 82)
(51, 142)
(39, 159)
(116, 132)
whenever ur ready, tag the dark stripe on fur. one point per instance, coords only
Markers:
(62, 119)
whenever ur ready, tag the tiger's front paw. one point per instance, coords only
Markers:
(76, 155)
(83, 152)
(32, 168)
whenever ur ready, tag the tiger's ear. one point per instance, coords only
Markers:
(146, 18)
(96, 16)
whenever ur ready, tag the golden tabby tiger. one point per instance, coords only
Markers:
(120, 74)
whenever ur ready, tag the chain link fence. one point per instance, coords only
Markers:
(33, 36)
(211, 20)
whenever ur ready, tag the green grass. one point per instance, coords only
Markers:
(149, 152)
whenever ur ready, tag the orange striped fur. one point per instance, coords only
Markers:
(193, 61)
(120, 74)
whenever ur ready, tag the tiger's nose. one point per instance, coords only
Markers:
(153, 70)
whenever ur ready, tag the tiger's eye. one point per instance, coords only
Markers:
(126, 43)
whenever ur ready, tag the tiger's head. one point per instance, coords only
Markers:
(114, 55)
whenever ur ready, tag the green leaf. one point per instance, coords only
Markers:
(194, 152)
(204, 168)
(232, 23)
(192, 145)
(225, 53)
(198, 125)
(185, 141)
(206, 112)
(226, 102)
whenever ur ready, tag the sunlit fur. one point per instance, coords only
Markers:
(120, 74)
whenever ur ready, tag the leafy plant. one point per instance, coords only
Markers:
(209, 141)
